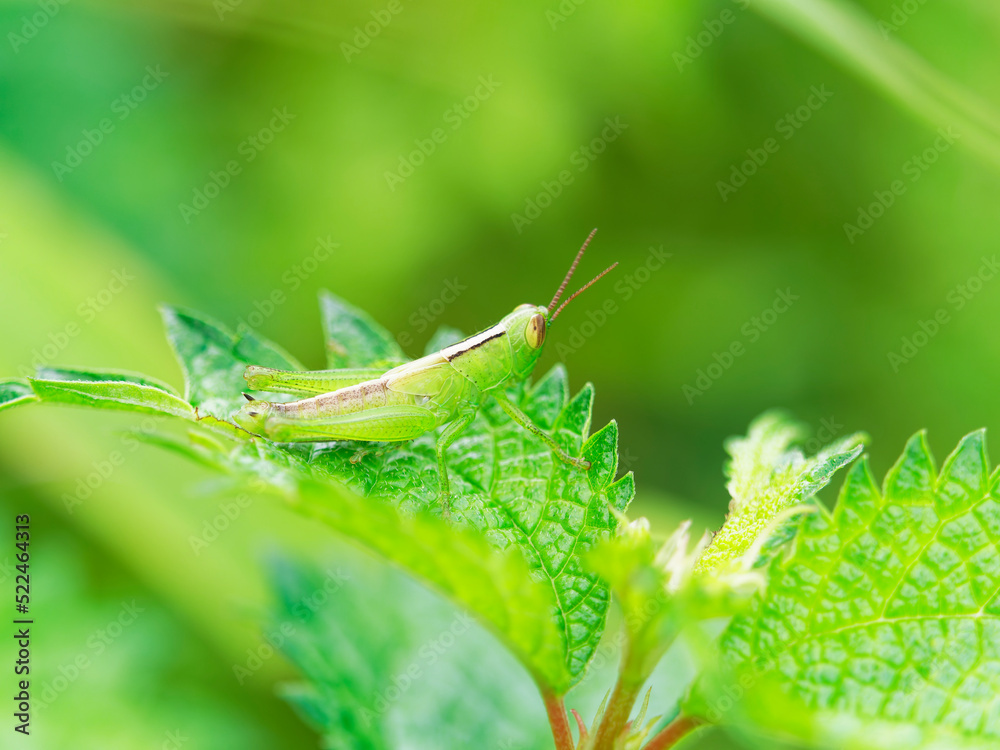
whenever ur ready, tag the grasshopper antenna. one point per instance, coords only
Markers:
(572, 268)
(585, 287)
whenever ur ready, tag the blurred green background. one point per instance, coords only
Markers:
(452, 147)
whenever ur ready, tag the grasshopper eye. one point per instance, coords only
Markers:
(535, 332)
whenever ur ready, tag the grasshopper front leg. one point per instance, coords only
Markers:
(524, 421)
(455, 399)
(445, 439)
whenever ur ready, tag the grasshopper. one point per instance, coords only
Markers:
(444, 389)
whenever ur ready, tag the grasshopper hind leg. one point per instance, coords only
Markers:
(306, 383)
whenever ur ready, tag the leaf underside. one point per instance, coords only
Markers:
(888, 610)
(768, 477)
(389, 666)
(14, 391)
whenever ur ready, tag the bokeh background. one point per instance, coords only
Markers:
(116, 120)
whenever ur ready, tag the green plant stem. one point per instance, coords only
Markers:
(616, 715)
(559, 720)
(674, 732)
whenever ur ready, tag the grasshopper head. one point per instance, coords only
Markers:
(526, 327)
(253, 416)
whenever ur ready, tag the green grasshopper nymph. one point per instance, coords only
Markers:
(446, 389)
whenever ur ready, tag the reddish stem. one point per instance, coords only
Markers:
(559, 720)
(616, 714)
(581, 725)
(674, 732)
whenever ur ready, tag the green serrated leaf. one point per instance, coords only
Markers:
(602, 452)
(213, 360)
(767, 477)
(537, 514)
(14, 391)
(620, 493)
(548, 397)
(912, 478)
(506, 485)
(887, 612)
(112, 394)
(575, 418)
(100, 375)
(353, 338)
(859, 499)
